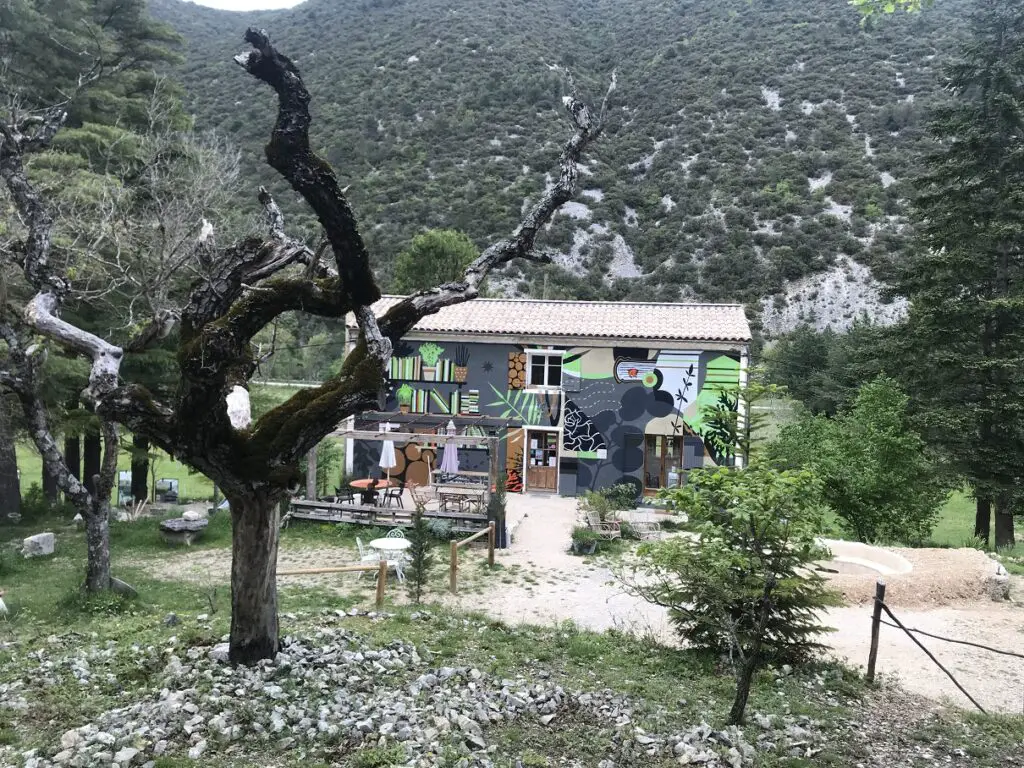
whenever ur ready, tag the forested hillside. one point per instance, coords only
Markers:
(753, 142)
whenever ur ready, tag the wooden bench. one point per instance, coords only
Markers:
(361, 514)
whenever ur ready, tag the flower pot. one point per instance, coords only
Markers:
(430, 373)
(584, 547)
(403, 407)
(461, 374)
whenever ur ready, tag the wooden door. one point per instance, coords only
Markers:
(541, 461)
(663, 461)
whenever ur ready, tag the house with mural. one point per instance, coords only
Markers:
(583, 394)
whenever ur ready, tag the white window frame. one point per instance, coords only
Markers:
(547, 354)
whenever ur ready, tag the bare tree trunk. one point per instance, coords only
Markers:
(983, 519)
(97, 542)
(753, 658)
(1004, 523)
(97, 522)
(140, 468)
(91, 459)
(73, 455)
(10, 487)
(254, 629)
(51, 486)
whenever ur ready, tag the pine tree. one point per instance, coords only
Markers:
(420, 554)
(422, 558)
(965, 332)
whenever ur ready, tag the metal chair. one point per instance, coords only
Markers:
(395, 533)
(346, 495)
(391, 494)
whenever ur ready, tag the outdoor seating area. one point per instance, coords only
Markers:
(332, 511)
(393, 548)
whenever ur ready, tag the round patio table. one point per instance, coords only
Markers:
(390, 545)
(368, 493)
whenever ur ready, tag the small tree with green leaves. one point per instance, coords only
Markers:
(420, 554)
(733, 426)
(875, 473)
(433, 258)
(743, 586)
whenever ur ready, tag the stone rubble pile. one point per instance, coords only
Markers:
(331, 692)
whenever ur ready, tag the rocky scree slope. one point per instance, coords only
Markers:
(751, 146)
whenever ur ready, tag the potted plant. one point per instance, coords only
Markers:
(404, 397)
(430, 353)
(584, 540)
(461, 360)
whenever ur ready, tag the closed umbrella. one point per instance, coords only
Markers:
(387, 457)
(450, 455)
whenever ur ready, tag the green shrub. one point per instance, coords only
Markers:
(743, 586)
(421, 559)
(622, 496)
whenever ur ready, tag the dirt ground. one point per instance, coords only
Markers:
(540, 582)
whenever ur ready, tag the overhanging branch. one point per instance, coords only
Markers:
(288, 152)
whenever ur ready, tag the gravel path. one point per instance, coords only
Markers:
(951, 578)
(944, 594)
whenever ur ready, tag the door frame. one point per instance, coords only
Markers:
(663, 475)
(527, 429)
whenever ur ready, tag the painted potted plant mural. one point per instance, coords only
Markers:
(430, 353)
(404, 397)
(461, 360)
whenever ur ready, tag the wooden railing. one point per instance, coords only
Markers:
(381, 568)
(453, 563)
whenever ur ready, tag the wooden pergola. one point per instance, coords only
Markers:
(411, 419)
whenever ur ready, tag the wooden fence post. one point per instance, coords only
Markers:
(453, 567)
(876, 625)
(490, 544)
(382, 579)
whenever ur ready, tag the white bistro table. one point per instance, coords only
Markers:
(390, 545)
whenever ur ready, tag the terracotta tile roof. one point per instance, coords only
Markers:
(596, 319)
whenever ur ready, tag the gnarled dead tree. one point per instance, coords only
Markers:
(246, 286)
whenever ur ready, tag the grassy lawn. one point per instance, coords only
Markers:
(668, 690)
(191, 485)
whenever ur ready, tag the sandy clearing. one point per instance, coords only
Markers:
(544, 584)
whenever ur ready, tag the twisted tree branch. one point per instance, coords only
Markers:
(288, 152)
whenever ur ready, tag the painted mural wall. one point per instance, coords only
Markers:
(611, 399)
(617, 396)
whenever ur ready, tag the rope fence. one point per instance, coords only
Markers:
(877, 621)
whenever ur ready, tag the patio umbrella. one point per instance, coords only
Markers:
(450, 455)
(387, 457)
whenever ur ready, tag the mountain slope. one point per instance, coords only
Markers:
(750, 145)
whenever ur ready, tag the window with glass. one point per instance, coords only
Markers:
(545, 369)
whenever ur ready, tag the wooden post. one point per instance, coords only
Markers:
(490, 544)
(311, 474)
(382, 579)
(453, 568)
(876, 625)
(493, 456)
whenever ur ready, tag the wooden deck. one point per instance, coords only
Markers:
(363, 514)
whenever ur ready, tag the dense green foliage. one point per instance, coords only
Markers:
(875, 473)
(50, 48)
(961, 347)
(433, 258)
(741, 586)
(448, 115)
(824, 370)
